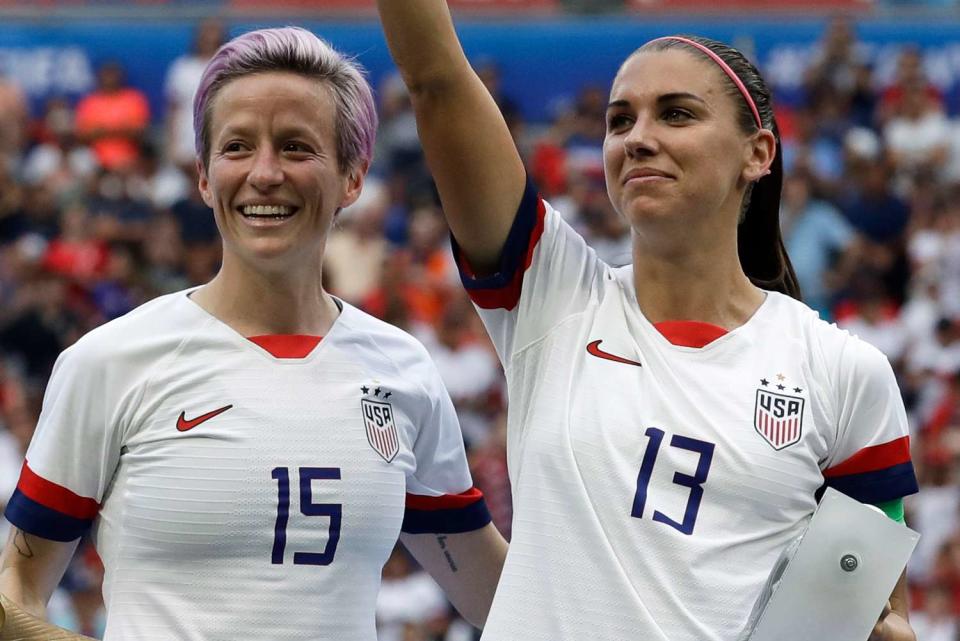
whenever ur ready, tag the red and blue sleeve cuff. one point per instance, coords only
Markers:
(876, 474)
(502, 289)
(48, 510)
(446, 514)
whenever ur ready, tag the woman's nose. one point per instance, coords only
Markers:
(266, 171)
(641, 139)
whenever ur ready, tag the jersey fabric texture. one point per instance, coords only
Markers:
(655, 483)
(233, 494)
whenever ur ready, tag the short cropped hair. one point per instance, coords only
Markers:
(298, 51)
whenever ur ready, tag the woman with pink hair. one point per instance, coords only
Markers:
(246, 453)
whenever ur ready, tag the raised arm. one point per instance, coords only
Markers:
(466, 141)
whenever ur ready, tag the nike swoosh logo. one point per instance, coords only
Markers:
(594, 350)
(185, 425)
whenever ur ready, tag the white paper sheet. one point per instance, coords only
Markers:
(833, 582)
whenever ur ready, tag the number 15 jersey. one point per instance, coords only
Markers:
(243, 489)
(658, 472)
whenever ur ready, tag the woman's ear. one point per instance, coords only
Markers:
(204, 185)
(354, 184)
(760, 153)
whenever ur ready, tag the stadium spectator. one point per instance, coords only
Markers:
(179, 87)
(43, 321)
(113, 118)
(13, 124)
(77, 253)
(946, 572)
(119, 291)
(407, 597)
(119, 210)
(916, 135)
(594, 217)
(398, 146)
(156, 182)
(584, 141)
(59, 161)
(432, 273)
(822, 245)
(880, 217)
(468, 367)
(909, 77)
(863, 98)
(490, 74)
(488, 464)
(836, 63)
(357, 247)
(937, 621)
(196, 225)
(39, 212)
(13, 221)
(164, 259)
(873, 317)
(934, 512)
(814, 150)
(949, 257)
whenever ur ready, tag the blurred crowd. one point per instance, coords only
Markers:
(99, 212)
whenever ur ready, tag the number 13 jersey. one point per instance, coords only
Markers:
(237, 489)
(658, 472)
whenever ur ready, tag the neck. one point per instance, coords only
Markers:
(255, 303)
(699, 281)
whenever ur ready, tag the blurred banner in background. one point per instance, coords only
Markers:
(368, 5)
(59, 58)
(766, 5)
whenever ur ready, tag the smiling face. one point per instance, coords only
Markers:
(273, 178)
(673, 146)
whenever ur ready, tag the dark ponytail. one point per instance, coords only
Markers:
(763, 254)
(760, 246)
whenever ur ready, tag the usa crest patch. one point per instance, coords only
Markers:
(380, 425)
(778, 417)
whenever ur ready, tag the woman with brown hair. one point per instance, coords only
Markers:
(671, 422)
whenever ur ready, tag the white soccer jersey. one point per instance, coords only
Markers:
(658, 472)
(238, 489)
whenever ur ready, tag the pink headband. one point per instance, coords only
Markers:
(726, 69)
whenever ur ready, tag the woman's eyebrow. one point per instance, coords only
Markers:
(665, 98)
(680, 95)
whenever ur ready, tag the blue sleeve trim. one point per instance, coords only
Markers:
(446, 521)
(875, 487)
(514, 250)
(35, 518)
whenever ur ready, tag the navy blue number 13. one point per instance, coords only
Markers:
(307, 508)
(695, 482)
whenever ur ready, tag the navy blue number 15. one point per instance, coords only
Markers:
(307, 508)
(695, 482)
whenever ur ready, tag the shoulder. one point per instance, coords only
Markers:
(793, 315)
(140, 336)
(380, 343)
(839, 356)
(846, 351)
